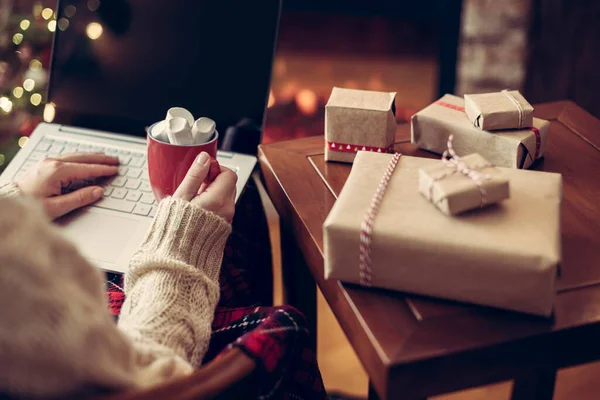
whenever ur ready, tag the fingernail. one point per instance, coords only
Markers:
(202, 158)
(97, 193)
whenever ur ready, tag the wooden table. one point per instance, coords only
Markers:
(413, 347)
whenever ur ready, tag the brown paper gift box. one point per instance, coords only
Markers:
(454, 193)
(358, 120)
(504, 256)
(500, 110)
(431, 127)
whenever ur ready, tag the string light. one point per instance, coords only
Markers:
(17, 38)
(35, 64)
(94, 30)
(49, 112)
(47, 13)
(63, 24)
(70, 11)
(93, 4)
(2, 159)
(25, 24)
(18, 92)
(28, 84)
(23, 141)
(5, 104)
(36, 99)
(52, 25)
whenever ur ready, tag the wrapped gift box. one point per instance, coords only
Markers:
(500, 110)
(431, 127)
(453, 192)
(358, 120)
(503, 256)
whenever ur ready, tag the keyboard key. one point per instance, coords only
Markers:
(152, 211)
(48, 140)
(141, 209)
(28, 164)
(60, 142)
(111, 151)
(36, 156)
(119, 181)
(43, 146)
(69, 150)
(19, 175)
(133, 183)
(124, 152)
(98, 149)
(124, 159)
(133, 195)
(134, 173)
(55, 148)
(119, 193)
(145, 187)
(123, 171)
(114, 204)
(145, 175)
(137, 162)
(52, 155)
(147, 198)
(108, 191)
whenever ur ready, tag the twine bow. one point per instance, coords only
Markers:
(518, 105)
(457, 165)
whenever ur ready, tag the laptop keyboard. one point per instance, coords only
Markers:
(128, 192)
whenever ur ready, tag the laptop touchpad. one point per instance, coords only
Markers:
(100, 236)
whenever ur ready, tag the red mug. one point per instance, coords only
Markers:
(169, 163)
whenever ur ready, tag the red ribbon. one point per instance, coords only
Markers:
(353, 148)
(538, 139)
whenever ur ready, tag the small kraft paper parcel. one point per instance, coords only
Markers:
(515, 148)
(382, 232)
(358, 120)
(500, 110)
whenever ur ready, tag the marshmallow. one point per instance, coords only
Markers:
(180, 112)
(159, 131)
(203, 130)
(179, 132)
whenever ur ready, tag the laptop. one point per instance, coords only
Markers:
(117, 67)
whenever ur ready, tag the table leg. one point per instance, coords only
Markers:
(535, 387)
(300, 288)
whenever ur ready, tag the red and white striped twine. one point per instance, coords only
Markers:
(366, 228)
(453, 161)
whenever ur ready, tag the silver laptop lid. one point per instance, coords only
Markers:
(118, 65)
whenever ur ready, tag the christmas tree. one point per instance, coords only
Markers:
(25, 47)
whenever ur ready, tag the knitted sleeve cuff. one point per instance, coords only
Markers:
(187, 233)
(9, 189)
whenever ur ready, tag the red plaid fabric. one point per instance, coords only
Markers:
(275, 337)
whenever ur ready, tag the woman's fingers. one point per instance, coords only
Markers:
(192, 182)
(58, 206)
(88, 158)
(219, 196)
(70, 171)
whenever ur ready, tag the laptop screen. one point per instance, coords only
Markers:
(118, 65)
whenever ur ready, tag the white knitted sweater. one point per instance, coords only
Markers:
(56, 334)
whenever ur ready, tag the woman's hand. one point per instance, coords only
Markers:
(217, 197)
(47, 178)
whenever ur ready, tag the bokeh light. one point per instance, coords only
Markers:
(94, 30)
(307, 102)
(52, 25)
(5, 104)
(23, 141)
(70, 11)
(17, 38)
(49, 112)
(271, 102)
(35, 64)
(29, 84)
(36, 99)
(63, 24)
(93, 4)
(25, 24)
(47, 13)
(2, 159)
(18, 92)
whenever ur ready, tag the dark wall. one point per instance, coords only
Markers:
(564, 54)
